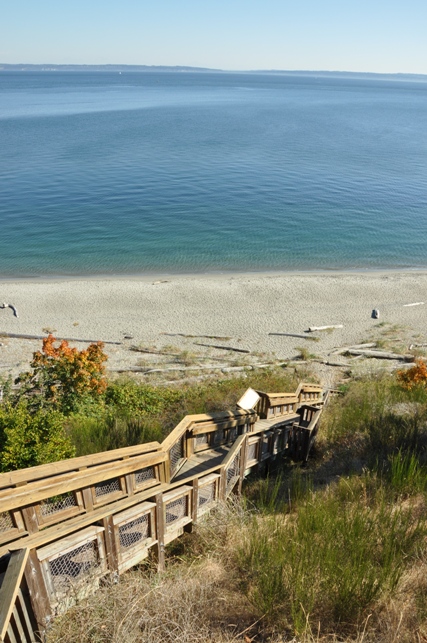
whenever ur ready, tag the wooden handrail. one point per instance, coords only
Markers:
(10, 587)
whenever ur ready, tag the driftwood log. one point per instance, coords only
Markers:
(224, 338)
(66, 339)
(300, 336)
(312, 329)
(345, 349)
(223, 348)
(12, 307)
(381, 355)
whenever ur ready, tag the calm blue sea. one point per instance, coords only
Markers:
(108, 173)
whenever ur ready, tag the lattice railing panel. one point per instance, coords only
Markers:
(176, 509)
(265, 445)
(252, 452)
(74, 566)
(201, 440)
(176, 455)
(233, 472)
(6, 522)
(106, 487)
(207, 494)
(134, 532)
(233, 434)
(58, 503)
(144, 475)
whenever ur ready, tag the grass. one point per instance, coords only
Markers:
(328, 553)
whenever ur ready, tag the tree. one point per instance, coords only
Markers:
(63, 376)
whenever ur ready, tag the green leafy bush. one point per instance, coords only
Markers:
(31, 438)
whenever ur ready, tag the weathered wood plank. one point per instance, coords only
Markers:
(12, 478)
(10, 587)
(37, 491)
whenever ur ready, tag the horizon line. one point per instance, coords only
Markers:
(49, 66)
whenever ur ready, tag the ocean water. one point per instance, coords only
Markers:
(108, 173)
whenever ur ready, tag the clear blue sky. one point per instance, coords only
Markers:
(346, 35)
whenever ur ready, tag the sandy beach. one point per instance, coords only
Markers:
(228, 310)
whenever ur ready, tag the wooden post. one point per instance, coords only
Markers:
(159, 549)
(10, 589)
(87, 498)
(37, 589)
(111, 544)
(30, 519)
(223, 484)
(195, 501)
(243, 460)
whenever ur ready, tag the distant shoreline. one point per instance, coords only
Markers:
(51, 67)
(219, 274)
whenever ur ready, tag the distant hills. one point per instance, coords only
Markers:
(181, 68)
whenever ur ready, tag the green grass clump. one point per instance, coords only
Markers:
(324, 566)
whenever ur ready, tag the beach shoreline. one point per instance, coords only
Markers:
(183, 311)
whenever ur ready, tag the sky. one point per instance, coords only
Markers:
(385, 36)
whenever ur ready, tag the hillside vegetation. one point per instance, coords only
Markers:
(335, 551)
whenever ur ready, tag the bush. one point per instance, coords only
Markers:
(28, 439)
(62, 376)
(414, 377)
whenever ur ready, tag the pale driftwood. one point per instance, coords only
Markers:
(417, 303)
(300, 336)
(61, 339)
(312, 329)
(344, 349)
(381, 355)
(223, 348)
(136, 349)
(225, 338)
(411, 346)
(170, 369)
(12, 307)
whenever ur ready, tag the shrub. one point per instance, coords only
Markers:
(414, 377)
(63, 375)
(28, 439)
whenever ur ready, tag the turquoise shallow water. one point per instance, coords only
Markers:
(107, 173)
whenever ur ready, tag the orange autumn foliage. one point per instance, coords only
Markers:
(413, 377)
(66, 374)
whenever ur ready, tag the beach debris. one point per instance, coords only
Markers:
(127, 336)
(160, 281)
(300, 336)
(224, 338)
(60, 339)
(412, 346)
(12, 307)
(381, 355)
(223, 348)
(416, 303)
(312, 329)
(337, 364)
(375, 314)
(344, 349)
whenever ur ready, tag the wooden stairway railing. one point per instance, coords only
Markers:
(81, 519)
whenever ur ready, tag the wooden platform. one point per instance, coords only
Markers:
(201, 462)
(205, 460)
(265, 425)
